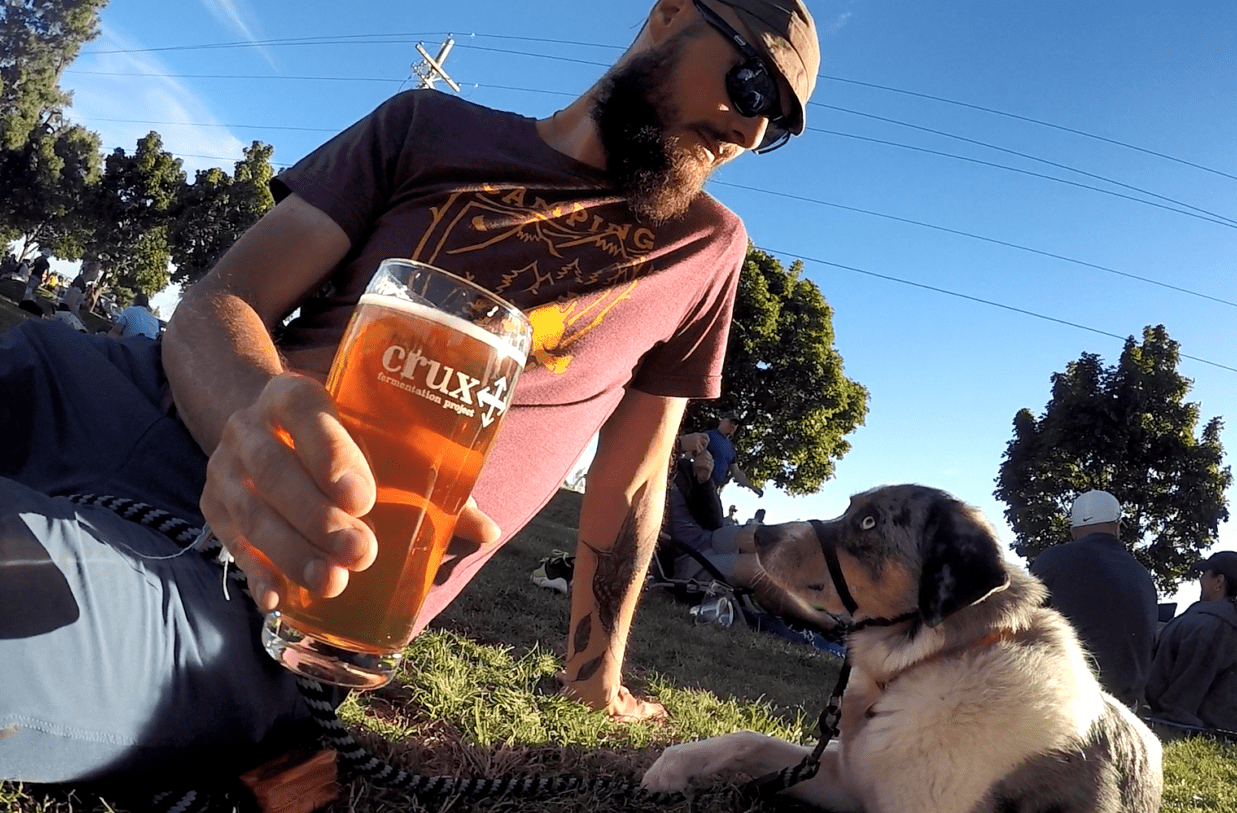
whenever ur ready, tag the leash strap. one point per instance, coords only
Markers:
(778, 781)
(353, 756)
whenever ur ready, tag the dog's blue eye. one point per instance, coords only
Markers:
(868, 523)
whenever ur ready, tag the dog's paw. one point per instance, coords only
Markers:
(680, 765)
(672, 772)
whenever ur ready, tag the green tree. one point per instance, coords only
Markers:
(216, 209)
(784, 378)
(131, 218)
(1127, 430)
(45, 185)
(38, 39)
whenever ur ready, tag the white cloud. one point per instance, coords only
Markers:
(836, 24)
(236, 16)
(124, 95)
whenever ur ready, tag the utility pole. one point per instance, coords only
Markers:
(430, 68)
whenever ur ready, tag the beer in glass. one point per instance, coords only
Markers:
(421, 381)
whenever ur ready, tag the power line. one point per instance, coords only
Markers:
(219, 158)
(923, 286)
(341, 39)
(1029, 120)
(980, 300)
(553, 57)
(1007, 168)
(786, 195)
(237, 76)
(973, 236)
(231, 126)
(1208, 217)
(400, 38)
(1021, 155)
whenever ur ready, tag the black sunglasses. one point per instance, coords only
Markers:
(750, 85)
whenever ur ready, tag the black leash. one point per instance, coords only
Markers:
(356, 759)
(353, 757)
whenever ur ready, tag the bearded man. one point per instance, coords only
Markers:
(593, 221)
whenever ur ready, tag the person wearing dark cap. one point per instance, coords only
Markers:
(1193, 678)
(592, 220)
(721, 447)
(1105, 593)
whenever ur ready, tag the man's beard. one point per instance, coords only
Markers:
(658, 177)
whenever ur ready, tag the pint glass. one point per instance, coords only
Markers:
(422, 379)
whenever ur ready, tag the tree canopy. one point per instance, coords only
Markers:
(1127, 430)
(38, 38)
(784, 377)
(215, 211)
(131, 216)
(44, 188)
(133, 212)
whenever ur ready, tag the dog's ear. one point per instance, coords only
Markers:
(961, 561)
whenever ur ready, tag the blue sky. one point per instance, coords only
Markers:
(894, 180)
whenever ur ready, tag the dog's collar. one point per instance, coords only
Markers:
(829, 548)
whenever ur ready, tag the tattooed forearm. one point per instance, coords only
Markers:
(616, 567)
(584, 630)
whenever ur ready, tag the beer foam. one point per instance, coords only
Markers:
(500, 345)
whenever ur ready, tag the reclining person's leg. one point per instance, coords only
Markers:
(748, 572)
(111, 660)
(118, 660)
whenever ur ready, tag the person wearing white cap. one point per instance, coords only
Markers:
(1105, 593)
(1193, 678)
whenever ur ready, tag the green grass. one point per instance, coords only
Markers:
(477, 697)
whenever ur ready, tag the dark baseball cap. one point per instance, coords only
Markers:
(733, 417)
(785, 32)
(1224, 563)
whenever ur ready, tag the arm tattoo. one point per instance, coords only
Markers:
(584, 629)
(616, 568)
(589, 669)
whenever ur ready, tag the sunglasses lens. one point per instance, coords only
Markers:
(752, 90)
(775, 136)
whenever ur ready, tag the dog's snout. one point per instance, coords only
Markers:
(768, 537)
(762, 538)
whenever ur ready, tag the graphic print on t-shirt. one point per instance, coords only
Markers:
(582, 250)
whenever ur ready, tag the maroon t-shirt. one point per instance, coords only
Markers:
(614, 302)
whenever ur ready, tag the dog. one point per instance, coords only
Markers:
(966, 693)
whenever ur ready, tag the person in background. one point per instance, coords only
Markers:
(1105, 593)
(732, 516)
(1193, 678)
(136, 320)
(757, 519)
(720, 447)
(731, 549)
(38, 271)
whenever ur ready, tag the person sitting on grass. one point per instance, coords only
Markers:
(1193, 678)
(136, 320)
(731, 549)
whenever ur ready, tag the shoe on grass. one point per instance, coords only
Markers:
(554, 572)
